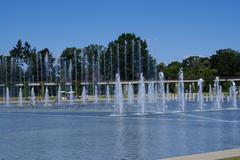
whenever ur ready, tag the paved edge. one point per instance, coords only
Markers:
(210, 155)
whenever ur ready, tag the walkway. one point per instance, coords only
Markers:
(210, 156)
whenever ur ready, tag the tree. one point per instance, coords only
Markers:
(18, 50)
(161, 67)
(22, 56)
(196, 67)
(137, 57)
(226, 62)
(42, 65)
(172, 69)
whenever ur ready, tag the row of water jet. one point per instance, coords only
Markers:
(33, 98)
(118, 95)
(216, 94)
(181, 98)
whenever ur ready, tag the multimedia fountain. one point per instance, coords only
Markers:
(140, 119)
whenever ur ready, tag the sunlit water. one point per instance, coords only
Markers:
(89, 132)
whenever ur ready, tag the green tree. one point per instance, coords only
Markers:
(18, 50)
(161, 67)
(137, 59)
(172, 69)
(196, 67)
(226, 62)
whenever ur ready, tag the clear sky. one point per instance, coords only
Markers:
(174, 29)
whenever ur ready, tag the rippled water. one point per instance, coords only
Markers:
(78, 133)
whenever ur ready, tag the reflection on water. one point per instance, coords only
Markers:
(130, 139)
(95, 135)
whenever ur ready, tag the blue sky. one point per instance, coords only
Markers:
(174, 29)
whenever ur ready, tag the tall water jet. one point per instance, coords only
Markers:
(151, 93)
(76, 73)
(46, 99)
(84, 95)
(65, 70)
(221, 93)
(210, 93)
(200, 93)
(118, 94)
(86, 68)
(111, 64)
(239, 91)
(95, 94)
(46, 66)
(59, 95)
(125, 59)
(70, 71)
(181, 98)
(130, 93)
(11, 76)
(194, 95)
(176, 96)
(104, 66)
(98, 64)
(234, 94)
(139, 57)
(162, 91)
(230, 92)
(20, 97)
(107, 94)
(141, 94)
(167, 92)
(190, 93)
(133, 58)
(155, 92)
(37, 61)
(206, 97)
(57, 69)
(33, 102)
(71, 95)
(7, 96)
(217, 93)
(82, 64)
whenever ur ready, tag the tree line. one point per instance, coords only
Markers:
(122, 53)
(225, 63)
(128, 55)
